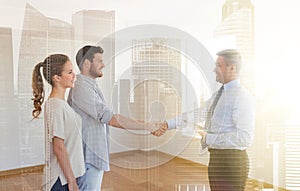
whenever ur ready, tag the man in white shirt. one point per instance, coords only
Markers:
(229, 126)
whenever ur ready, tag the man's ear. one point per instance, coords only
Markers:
(233, 67)
(86, 63)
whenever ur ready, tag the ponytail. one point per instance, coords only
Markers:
(52, 65)
(38, 90)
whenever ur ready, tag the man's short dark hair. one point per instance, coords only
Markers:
(87, 52)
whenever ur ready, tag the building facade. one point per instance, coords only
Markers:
(238, 21)
(8, 104)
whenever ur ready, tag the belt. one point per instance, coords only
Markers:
(225, 150)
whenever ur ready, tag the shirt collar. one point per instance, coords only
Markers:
(86, 78)
(232, 83)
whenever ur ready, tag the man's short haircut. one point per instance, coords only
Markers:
(87, 52)
(232, 56)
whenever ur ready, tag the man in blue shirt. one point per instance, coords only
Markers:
(229, 126)
(87, 100)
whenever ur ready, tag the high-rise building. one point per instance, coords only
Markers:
(92, 26)
(60, 38)
(292, 154)
(6, 56)
(33, 49)
(9, 147)
(41, 36)
(156, 64)
(238, 21)
(96, 27)
(124, 97)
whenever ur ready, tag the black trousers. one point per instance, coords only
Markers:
(58, 187)
(228, 169)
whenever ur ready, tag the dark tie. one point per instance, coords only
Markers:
(210, 112)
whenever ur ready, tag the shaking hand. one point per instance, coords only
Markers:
(162, 128)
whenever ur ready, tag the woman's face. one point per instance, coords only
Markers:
(67, 76)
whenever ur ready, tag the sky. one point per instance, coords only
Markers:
(276, 30)
(180, 14)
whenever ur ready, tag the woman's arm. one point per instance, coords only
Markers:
(62, 156)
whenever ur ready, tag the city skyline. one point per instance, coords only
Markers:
(275, 68)
(274, 24)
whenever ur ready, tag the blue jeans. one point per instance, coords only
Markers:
(91, 180)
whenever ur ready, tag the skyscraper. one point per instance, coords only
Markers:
(33, 49)
(60, 38)
(292, 154)
(41, 36)
(156, 64)
(96, 27)
(151, 91)
(91, 26)
(8, 104)
(6, 56)
(238, 21)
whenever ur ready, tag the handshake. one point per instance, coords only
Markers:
(157, 128)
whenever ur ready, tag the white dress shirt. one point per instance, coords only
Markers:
(233, 120)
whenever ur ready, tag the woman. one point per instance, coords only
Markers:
(64, 155)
